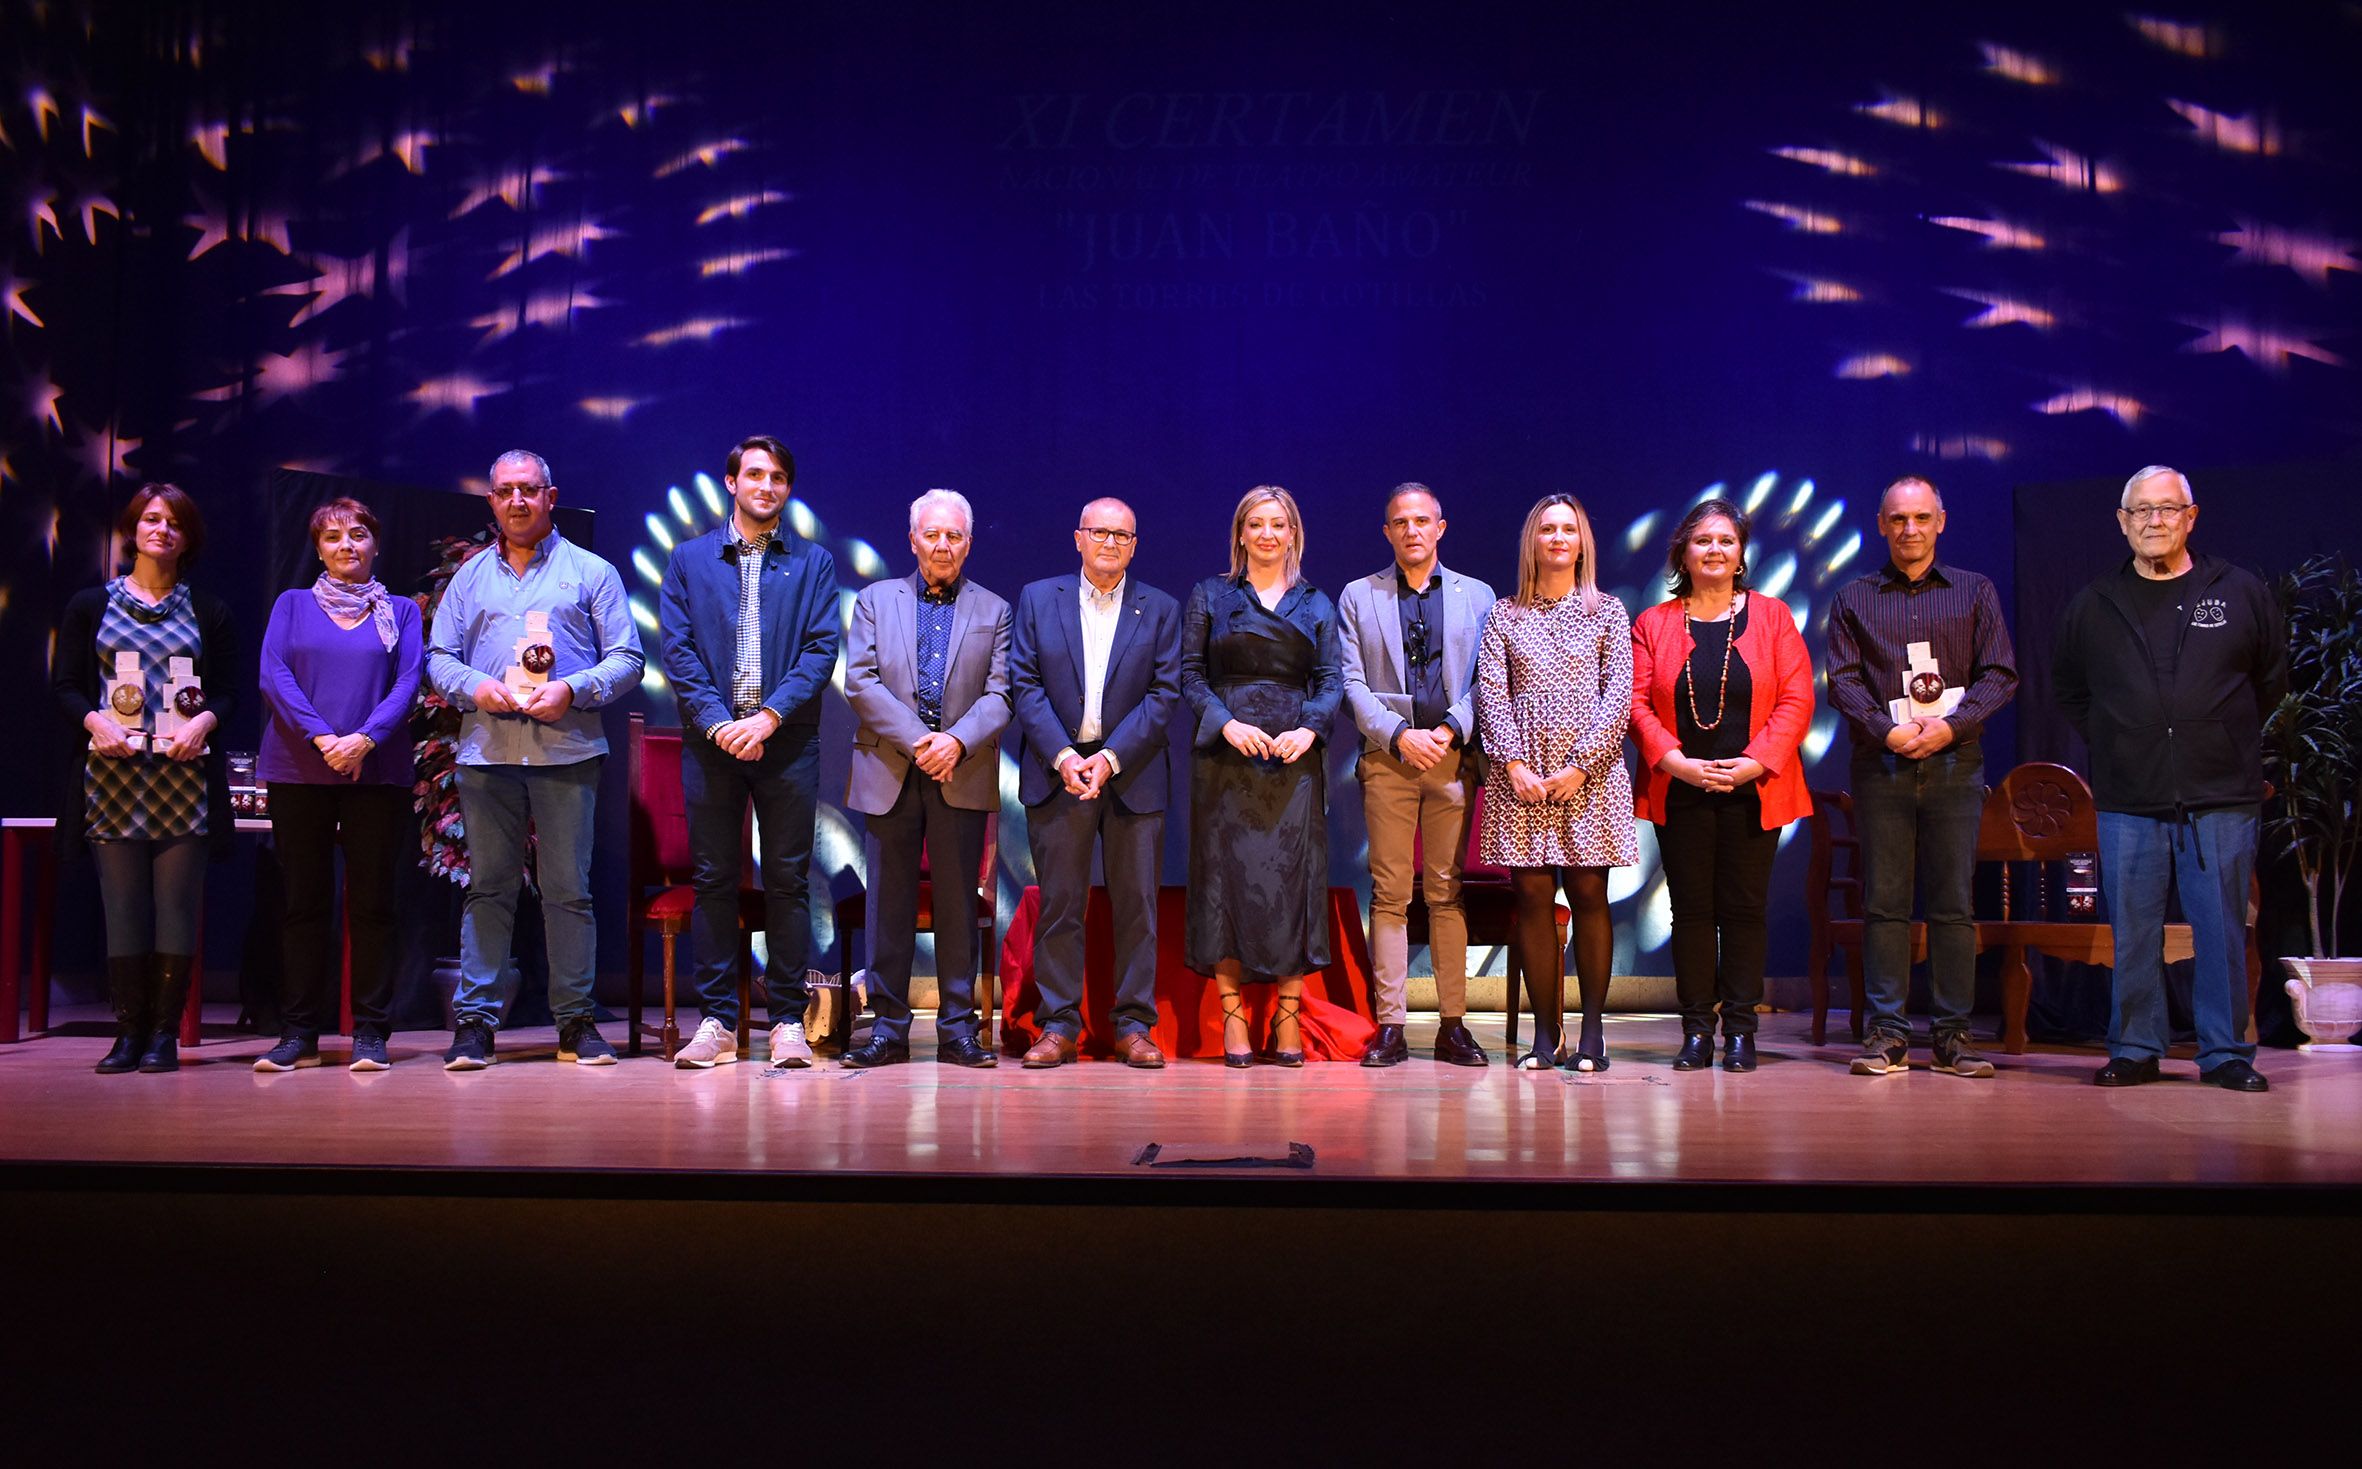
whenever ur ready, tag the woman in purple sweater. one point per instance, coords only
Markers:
(340, 667)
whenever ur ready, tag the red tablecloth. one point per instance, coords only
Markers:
(1337, 1016)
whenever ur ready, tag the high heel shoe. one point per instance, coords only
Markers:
(1590, 1054)
(1234, 1008)
(1292, 1015)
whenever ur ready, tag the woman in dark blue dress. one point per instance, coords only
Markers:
(1259, 666)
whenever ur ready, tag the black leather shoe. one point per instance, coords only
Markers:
(2236, 1076)
(1738, 1053)
(2125, 1071)
(1454, 1046)
(1697, 1053)
(876, 1051)
(966, 1051)
(1386, 1048)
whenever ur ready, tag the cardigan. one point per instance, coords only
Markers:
(1779, 710)
(74, 680)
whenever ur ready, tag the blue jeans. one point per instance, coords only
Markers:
(2207, 863)
(1918, 823)
(500, 803)
(784, 786)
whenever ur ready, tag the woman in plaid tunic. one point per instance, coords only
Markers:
(145, 666)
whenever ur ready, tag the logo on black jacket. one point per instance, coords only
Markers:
(2210, 612)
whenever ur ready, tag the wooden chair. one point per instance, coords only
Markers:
(2041, 817)
(1487, 902)
(661, 897)
(853, 921)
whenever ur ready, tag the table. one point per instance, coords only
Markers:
(1337, 1018)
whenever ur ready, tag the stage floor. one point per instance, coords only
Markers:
(1801, 1120)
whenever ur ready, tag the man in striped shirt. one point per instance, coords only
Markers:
(1919, 659)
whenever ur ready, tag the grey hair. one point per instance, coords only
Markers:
(1911, 479)
(952, 498)
(2155, 471)
(1412, 487)
(524, 456)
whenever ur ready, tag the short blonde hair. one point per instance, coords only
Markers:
(1529, 561)
(1261, 495)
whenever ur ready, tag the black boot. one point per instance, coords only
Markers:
(172, 990)
(127, 986)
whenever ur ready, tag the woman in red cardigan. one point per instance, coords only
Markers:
(1722, 692)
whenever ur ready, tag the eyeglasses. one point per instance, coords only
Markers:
(2153, 512)
(1104, 534)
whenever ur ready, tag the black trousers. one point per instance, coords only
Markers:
(377, 827)
(953, 839)
(1718, 864)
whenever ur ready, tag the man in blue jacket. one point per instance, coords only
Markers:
(749, 618)
(1095, 673)
(2168, 667)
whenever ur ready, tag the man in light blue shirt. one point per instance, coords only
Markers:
(531, 639)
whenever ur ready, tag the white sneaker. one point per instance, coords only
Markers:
(713, 1045)
(788, 1046)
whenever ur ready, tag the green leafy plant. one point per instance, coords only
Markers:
(2313, 740)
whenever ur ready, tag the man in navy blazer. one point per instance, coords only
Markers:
(749, 629)
(927, 674)
(1095, 670)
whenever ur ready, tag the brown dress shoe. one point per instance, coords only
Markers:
(1456, 1047)
(1138, 1050)
(1055, 1048)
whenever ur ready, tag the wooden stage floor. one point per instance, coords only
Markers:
(1800, 1122)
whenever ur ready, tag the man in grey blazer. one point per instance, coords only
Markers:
(1096, 677)
(1410, 636)
(927, 674)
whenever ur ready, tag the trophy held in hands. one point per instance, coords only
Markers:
(1925, 694)
(534, 658)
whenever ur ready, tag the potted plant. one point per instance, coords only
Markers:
(2313, 757)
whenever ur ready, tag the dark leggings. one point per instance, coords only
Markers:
(152, 890)
(1718, 865)
(1594, 943)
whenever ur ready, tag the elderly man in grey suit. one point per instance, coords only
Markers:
(1410, 636)
(927, 674)
(1097, 676)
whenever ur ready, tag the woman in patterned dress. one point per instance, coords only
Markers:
(1263, 674)
(1554, 693)
(148, 667)
(1722, 694)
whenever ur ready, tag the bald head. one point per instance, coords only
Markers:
(1105, 535)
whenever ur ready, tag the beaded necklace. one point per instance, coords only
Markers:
(1722, 691)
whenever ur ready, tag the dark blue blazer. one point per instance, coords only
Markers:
(698, 615)
(1135, 708)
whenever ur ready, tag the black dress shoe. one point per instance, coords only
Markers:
(2236, 1076)
(965, 1051)
(2125, 1071)
(1454, 1046)
(1697, 1053)
(1386, 1048)
(876, 1051)
(1738, 1053)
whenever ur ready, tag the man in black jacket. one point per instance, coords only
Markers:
(2168, 667)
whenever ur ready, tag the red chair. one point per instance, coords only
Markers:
(853, 919)
(661, 897)
(1487, 902)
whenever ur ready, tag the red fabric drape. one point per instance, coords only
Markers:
(1337, 1015)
